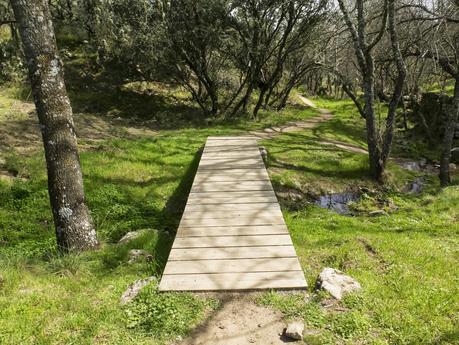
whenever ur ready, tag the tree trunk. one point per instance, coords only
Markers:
(399, 85)
(261, 98)
(450, 128)
(374, 151)
(74, 227)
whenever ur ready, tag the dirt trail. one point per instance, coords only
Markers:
(296, 126)
(240, 321)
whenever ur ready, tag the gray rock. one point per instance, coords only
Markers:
(336, 283)
(377, 213)
(295, 330)
(415, 187)
(264, 153)
(137, 254)
(133, 235)
(311, 333)
(423, 162)
(133, 290)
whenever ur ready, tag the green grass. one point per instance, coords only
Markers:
(406, 262)
(447, 87)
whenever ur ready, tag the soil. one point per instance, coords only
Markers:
(239, 321)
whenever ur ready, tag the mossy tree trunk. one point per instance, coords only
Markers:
(74, 227)
(379, 146)
(448, 138)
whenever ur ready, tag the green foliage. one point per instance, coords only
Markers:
(12, 68)
(165, 314)
(296, 305)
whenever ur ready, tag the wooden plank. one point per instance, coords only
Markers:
(230, 165)
(231, 187)
(230, 160)
(232, 266)
(241, 173)
(232, 137)
(232, 253)
(241, 220)
(231, 168)
(234, 281)
(231, 214)
(231, 184)
(252, 153)
(230, 177)
(235, 195)
(232, 230)
(229, 200)
(232, 207)
(237, 171)
(232, 241)
(235, 144)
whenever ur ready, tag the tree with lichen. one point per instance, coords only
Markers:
(365, 39)
(74, 226)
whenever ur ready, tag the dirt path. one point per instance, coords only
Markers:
(240, 321)
(296, 126)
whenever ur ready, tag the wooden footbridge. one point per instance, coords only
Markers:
(232, 235)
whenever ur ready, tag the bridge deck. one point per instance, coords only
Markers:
(232, 235)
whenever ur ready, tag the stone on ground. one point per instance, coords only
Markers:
(134, 289)
(133, 235)
(295, 330)
(137, 254)
(336, 283)
(377, 213)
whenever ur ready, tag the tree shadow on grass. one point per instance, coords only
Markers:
(325, 167)
(172, 214)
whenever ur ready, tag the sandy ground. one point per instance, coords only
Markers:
(239, 321)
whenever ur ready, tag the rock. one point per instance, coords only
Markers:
(133, 235)
(133, 290)
(415, 187)
(377, 213)
(295, 330)
(264, 153)
(423, 162)
(336, 283)
(136, 254)
(311, 332)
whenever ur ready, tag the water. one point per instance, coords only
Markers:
(338, 202)
(412, 166)
(416, 187)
